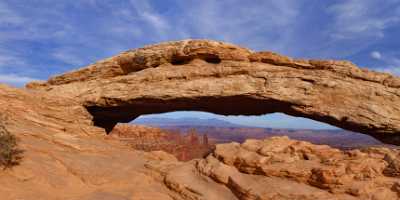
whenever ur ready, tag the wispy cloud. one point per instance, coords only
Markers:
(248, 24)
(10, 60)
(145, 12)
(15, 80)
(363, 18)
(69, 56)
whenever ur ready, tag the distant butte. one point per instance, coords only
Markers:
(222, 78)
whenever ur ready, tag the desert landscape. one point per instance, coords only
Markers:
(220, 131)
(74, 143)
(184, 146)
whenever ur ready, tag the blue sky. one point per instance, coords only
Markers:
(40, 38)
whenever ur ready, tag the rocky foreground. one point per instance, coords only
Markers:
(62, 126)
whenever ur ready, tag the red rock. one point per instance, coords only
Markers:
(227, 79)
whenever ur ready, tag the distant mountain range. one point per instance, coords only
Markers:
(188, 121)
(210, 122)
(223, 131)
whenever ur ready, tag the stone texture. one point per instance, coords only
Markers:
(66, 157)
(226, 79)
(364, 174)
(279, 168)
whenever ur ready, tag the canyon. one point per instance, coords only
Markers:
(184, 146)
(222, 131)
(64, 125)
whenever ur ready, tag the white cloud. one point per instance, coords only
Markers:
(245, 24)
(15, 80)
(145, 12)
(376, 55)
(361, 18)
(38, 24)
(139, 22)
(154, 19)
(69, 56)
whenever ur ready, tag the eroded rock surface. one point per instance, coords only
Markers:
(66, 157)
(365, 174)
(280, 168)
(226, 79)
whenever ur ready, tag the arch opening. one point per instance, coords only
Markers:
(239, 128)
(107, 117)
(192, 134)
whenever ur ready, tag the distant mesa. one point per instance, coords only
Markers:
(221, 131)
(186, 121)
(184, 145)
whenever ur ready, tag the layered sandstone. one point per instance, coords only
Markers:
(226, 79)
(280, 168)
(66, 157)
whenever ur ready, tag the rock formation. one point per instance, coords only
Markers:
(184, 146)
(226, 79)
(67, 157)
(280, 168)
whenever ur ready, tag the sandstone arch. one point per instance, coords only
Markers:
(226, 79)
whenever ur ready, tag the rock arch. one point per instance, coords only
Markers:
(226, 79)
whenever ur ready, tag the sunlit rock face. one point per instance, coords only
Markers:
(280, 168)
(222, 78)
